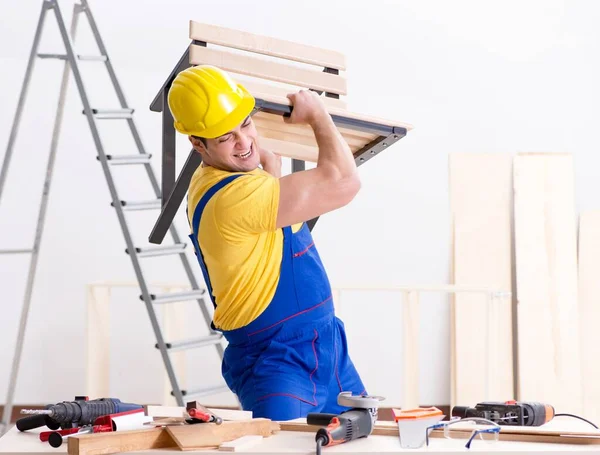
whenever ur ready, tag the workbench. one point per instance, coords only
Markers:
(293, 442)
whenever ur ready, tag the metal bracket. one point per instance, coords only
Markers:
(180, 188)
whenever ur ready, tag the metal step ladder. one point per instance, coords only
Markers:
(107, 161)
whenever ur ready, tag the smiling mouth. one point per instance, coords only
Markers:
(246, 155)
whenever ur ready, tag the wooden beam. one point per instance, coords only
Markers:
(97, 332)
(410, 347)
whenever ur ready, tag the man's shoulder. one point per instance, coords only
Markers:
(248, 184)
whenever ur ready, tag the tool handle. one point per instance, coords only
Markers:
(31, 422)
(86, 412)
(319, 418)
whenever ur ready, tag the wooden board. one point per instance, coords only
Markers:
(410, 349)
(266, 90)
(281, 99)
(266, 69)
(179, 412)
(589, 306)
(507, 433)
(240, 444)
(120, 441)
(276, 122)
(546, 273)
(298, 141)
(290, 149)
(190, 437)
(266, 45)
(481, 214)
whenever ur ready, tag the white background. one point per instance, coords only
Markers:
(471, 76)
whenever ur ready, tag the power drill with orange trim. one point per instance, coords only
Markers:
(528, 414)
(356, 422)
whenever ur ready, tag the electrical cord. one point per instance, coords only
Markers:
(576, 417)
(320, 441)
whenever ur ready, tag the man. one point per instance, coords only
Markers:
(287, 353)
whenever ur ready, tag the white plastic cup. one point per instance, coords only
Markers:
(412, 424)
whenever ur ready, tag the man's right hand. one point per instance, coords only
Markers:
(308, 108)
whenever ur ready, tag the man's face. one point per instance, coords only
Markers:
(235, 151)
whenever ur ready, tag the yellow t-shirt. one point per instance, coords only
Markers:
(241, 246)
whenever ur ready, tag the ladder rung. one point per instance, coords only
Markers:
(176, 296)
(193, 343)
(153, 251)
(116, 160)
(140, 205)
(16, 251)
(93, 58)
(204, 391)
(112, 113)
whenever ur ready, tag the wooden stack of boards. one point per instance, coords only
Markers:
(515, 227)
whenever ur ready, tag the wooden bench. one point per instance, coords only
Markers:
(270, 69)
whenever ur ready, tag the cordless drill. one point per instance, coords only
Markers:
(356, 422)
(529, 414)
(71, 414)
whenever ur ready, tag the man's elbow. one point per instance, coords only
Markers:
(351, 188)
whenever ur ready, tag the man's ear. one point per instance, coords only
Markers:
(197, 144)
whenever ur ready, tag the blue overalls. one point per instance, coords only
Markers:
(293, 358)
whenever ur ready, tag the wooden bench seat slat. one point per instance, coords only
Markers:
(263, 90)
(274, 71)
(273, 121)
(265, 45)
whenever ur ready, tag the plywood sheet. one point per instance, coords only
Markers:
(589, 306)
(480, 199)
(546, 272)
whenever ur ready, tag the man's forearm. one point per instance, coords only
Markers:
(334, 152)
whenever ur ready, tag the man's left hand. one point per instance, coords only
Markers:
(271, 162)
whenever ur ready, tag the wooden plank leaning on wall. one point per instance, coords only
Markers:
(589, 305)
(546, 271)
(481, 208)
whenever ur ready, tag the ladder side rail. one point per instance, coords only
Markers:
(23, 95)
(120, 94)
(8, 406)
(153, 180)
(116, 203)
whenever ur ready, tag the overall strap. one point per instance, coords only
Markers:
(196, 224)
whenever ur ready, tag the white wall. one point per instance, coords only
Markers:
(472, 76)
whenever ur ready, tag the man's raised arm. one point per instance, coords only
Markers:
(333, 183)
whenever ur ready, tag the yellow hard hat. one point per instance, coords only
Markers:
(206, 102)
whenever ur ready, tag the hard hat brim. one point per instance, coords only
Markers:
(232, 120)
